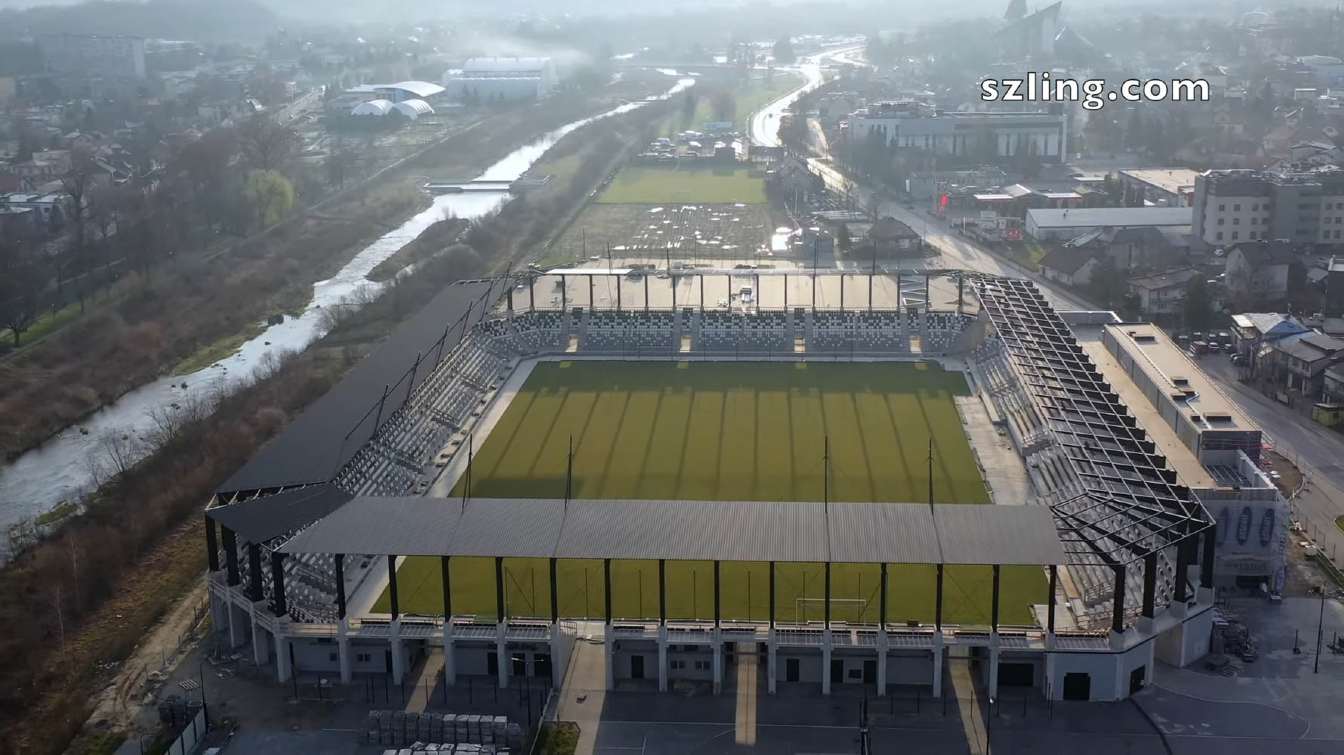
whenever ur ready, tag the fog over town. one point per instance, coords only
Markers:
(704, 376)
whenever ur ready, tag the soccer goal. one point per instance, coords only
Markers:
(841, 608)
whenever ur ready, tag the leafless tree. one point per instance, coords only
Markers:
(267, 145)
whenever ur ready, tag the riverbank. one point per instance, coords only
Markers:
(148, 324)
(141, 535)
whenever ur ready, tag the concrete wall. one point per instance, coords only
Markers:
(1186, 643)
(1109, 672)
(321, 655)
(910, 668)
(809, 665)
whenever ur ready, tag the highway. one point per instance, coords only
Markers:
(1317, 451)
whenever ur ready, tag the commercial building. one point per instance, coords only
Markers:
(1166, 187)
(498, 79)
(94, 55)
(1138, 552)
(1213, 447)
(908, 124)
(1062, 225)
(1303, 207)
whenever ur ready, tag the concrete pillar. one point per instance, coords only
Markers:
(218, 605)
(557, 668)
(282, 669)
(662, 658)
(502, 652)
(826, 662)
(1051, 684)
(609, 651)
(343, 657)
(881, 662)
(450, 654)
(937, 665)
(260, 647)
(398, 660)
(772, 659)
(235, 626)
(993, 682)
(718, 663)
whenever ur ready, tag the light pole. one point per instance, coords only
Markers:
(1320, 633)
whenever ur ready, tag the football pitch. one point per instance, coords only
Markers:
(636, 184)
(727, 431)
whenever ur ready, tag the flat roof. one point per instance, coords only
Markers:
(1170, 180)
(332, 429)
(1096, 217)
(257, 520)
(1189, 471)
(688, 531)
(1165, 362)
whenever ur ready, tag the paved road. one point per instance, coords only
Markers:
(765, 123)
(1317, 451)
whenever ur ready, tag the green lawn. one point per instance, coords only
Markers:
(720, 431)
(637, 184)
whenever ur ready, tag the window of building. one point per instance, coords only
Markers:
(1222, 207)
(331, 657)
(1236, 221)
(1220, 221)
(1220, 235)
(1236, 207)
(1235, 234)
(1252, 236)
(363, 657)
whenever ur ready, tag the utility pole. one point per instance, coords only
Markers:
(466, 486)
(930, 471)
(1320, 634)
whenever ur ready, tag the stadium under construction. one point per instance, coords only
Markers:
(392, 520)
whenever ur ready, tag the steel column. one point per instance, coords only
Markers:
(938, 598)
(662, 590)
(1149, 585)
(392, 586)
(994, 599)
(340, 585)
(446, 580)
(254, 571)
(1054, 583)
(1118, 604)
(606, 589)
(231, 556)
(278, 583)
(499, 591)
(1206, 563)
(211, 544)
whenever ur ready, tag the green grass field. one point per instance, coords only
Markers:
(638, 184)
(727, 431)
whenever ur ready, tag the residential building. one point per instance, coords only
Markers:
(1334, 286)
(495, 79)
(49, 211)
(1258, 272)
(909, 124)
(1299, 362)
(94, 55)
(1164, 187)
(1131, 248)
(1251, 330)
(1332, 388)
(1062, 225)
(889, 236)
(1072, 267)
(1304, 207)
(1327, 71)
(1163, 294)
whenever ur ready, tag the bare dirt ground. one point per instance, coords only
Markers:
(118, 705)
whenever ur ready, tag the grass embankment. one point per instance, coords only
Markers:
(703, 431)
(78, 579)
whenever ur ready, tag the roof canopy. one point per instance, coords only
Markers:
(260, 519)
(688, 530)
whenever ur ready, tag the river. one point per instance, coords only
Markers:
(64, 468)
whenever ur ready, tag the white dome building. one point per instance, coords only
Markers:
(413, 109)
(373, 107)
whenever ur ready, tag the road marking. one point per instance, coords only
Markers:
(747, 660)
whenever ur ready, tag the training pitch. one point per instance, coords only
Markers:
(700, 185)
(728, 431)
